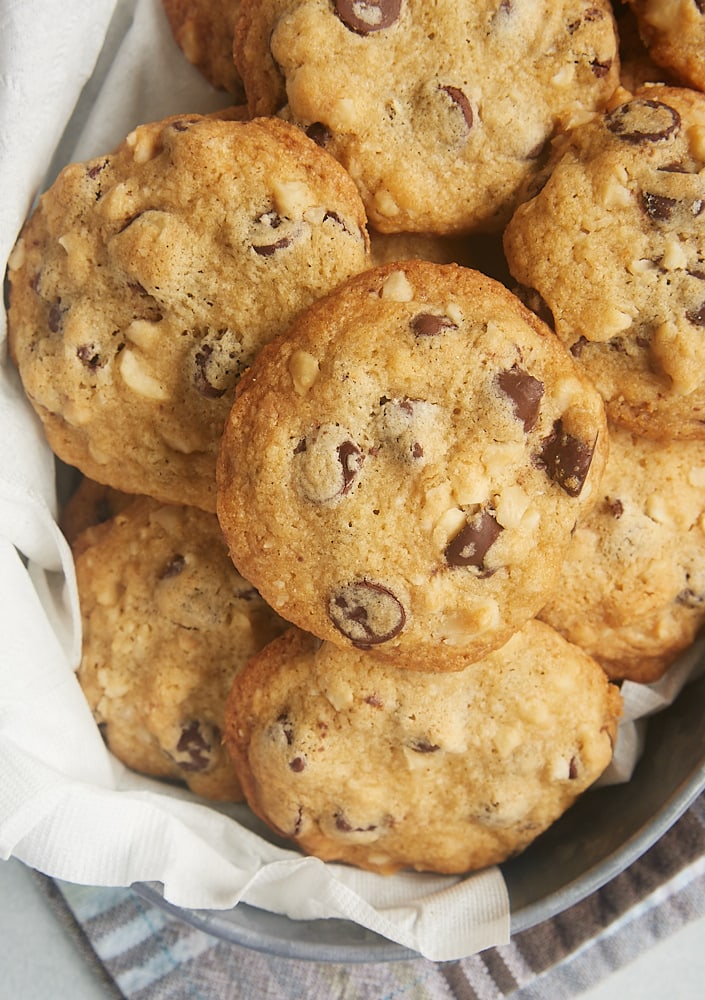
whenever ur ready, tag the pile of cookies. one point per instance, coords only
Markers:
(384, 387)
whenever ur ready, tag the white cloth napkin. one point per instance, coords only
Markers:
(76, 78)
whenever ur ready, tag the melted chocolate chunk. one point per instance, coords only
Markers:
(472, 543)
(345, 826)
(461, 103)
(367, 16)
(537, 304)
(525, 392)
(89, 356)
(431, 324)
(174, 567)
(351, 459)
(566, 459)
(298, 764)
(657, 206)
(696, 316)
(614, 506)
(366, 613)
(55, 318)
(422, 746)
(643, 120)
(267, 224)
(196, 743)
(600, 69)
(319, 133)
(217, 363)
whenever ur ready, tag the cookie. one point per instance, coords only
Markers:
(389, 770)
(439, 111)
(89, 504)
(167, 624)
(613, 247)
(632, 590)
(636, 67)
(147, 279)
(401, 471)
(204, 30)
(673, 32)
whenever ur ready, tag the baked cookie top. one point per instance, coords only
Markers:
(402, 469)
(674, 34)
(167, 623)
(147, 279)
(614, 245)
(204, 31)
(632, 590)
(439, 111)
(387, 769)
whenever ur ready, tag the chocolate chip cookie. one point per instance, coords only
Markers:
(632, 591)
(167, 623)
(147, 279)
(674, 34)
(389, 770)
(204, 30)
(613, 250)
(401, 471)
(439, 111)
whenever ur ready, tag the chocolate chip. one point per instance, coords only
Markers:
(201, 359)
(643, 120)
(174, 567)
(525, 392)
(89, 356)
(615, 507)
(343, 824)
(537, 304)
(573, 769)
(319, 133)
(266, 226)
(474, 540)
(658, 206)
(566, 459)
(688, 598)
(367, 16)
(422, 746)
(217, 362)
(56, 316)
(366, 613)
(327, 463)
(287, 728)
(431, 324)
(696, 316)
(196, 744)
(600, 69)
(461, 102)
(350, 458)
(298, 764)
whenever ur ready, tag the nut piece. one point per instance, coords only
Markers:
(304, 369)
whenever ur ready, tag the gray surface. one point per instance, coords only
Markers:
(40, 959)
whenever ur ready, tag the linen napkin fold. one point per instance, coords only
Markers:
(67, 808)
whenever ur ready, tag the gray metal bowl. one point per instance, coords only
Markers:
(602, 834)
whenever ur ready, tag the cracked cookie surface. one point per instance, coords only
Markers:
(402, 469)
